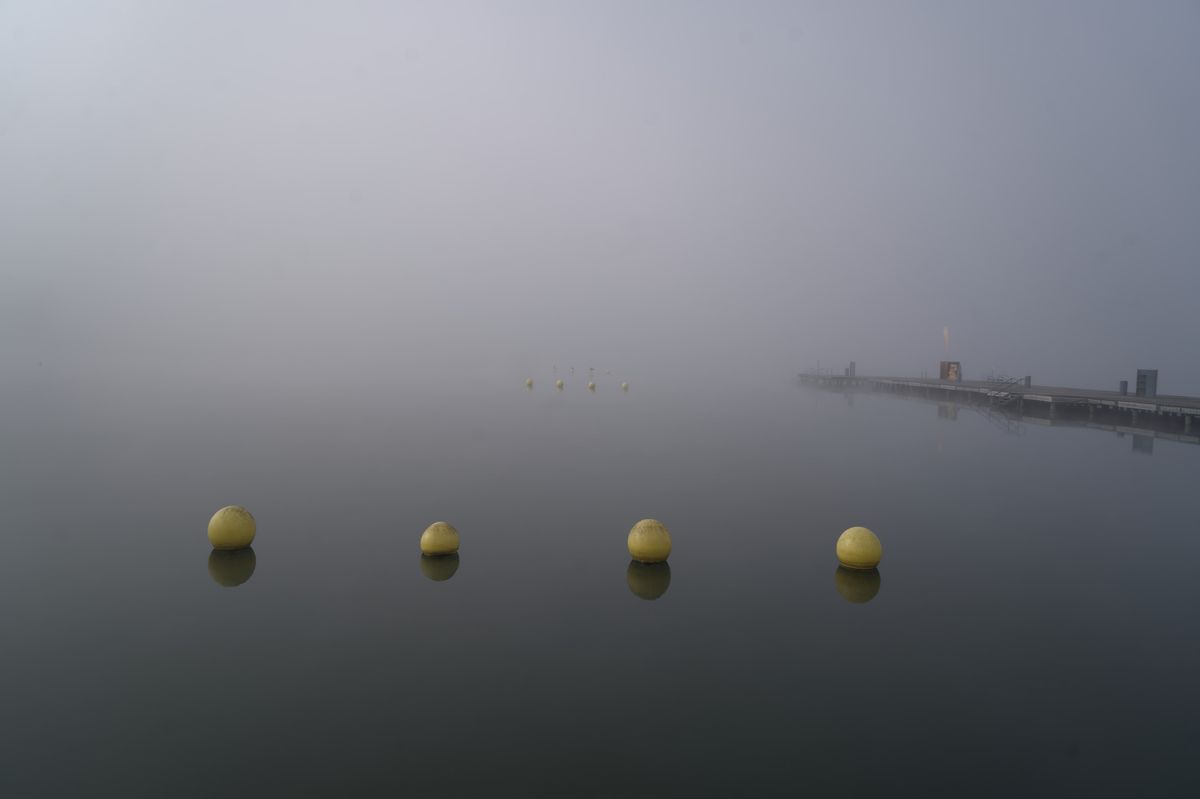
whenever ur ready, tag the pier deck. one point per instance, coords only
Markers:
(1162, 403)
(1164, 416)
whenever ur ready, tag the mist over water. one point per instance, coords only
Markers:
(215, 192)
(304, 259)
(1014, 625)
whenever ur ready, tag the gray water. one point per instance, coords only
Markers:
(1031, 630)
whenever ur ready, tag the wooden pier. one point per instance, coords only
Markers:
(1163, 416)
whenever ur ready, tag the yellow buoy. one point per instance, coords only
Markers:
(648, 580)
(439, 538)
(859, 548)
(649, 541)
(624, 386)
(856, 585)
(231, 567)
(439, 567)
(558, 384)
(232, 527)
(529, 382)
(591, 386)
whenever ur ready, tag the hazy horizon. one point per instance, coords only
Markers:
(210, 193)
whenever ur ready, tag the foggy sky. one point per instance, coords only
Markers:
(238, 188)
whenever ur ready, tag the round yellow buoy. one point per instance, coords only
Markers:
(439, 538)
(624, 386)
(529, 382)
(648, 580)
(649, 541)
(231, 567)
(558, 384)
(859, 548)
(232, 527)
(439, 567)
(591, 386)
(856, 585)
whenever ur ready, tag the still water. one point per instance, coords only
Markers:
(1032, 629)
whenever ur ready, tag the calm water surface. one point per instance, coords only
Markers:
(1032, 629)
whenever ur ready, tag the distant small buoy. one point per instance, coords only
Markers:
(558, 384)
(624, 386)
(439, 538)
(230, 568)
(856, 585)
(648, 580)
(529, 382)
(859, 548)
(439, 567)
(649, 541)
(232, 527)
(591, 386)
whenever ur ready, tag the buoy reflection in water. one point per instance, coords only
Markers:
(439, 567)
(648, 580)
(230, 568)
(857, 585)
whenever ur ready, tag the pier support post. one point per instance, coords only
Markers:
(1187, 423)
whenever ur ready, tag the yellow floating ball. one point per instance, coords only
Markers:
(649, 541)
(648, 580)
(439, 567)
(859, 548)
(231, 527)
(231, 568)
(591, 387)
(439, 538)
(624, 386)
(529, 382)
(558, 384)
(856, 585)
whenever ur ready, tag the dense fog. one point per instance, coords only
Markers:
(279, 194)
